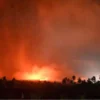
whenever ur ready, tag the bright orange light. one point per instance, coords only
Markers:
(39, 73)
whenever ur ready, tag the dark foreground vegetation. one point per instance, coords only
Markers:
(68, 89)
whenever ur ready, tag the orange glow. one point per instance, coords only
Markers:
(82, 78)
(43, 73)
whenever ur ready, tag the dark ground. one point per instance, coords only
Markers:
(68, 89)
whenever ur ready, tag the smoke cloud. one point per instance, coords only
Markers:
(45, 32)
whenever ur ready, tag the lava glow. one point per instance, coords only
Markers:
(43, 73)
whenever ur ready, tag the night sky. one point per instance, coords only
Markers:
(64, 35)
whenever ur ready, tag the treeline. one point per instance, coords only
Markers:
(67, 89)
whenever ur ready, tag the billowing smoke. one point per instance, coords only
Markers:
(45, 32)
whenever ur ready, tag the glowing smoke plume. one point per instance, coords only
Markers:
(45, 32)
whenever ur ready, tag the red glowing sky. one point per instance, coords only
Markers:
(61, 37)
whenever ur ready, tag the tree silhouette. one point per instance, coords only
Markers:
(89, 81)
(64, 81)
(84, 81)
(4, 80)
(13, 82)
(79, 80)
(13, 79)
(93, 79)
(73, 78)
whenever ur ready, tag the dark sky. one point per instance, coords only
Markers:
(62, 32)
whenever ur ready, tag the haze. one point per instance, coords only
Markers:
(64, 33)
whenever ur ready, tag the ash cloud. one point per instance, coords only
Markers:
(46, 32)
